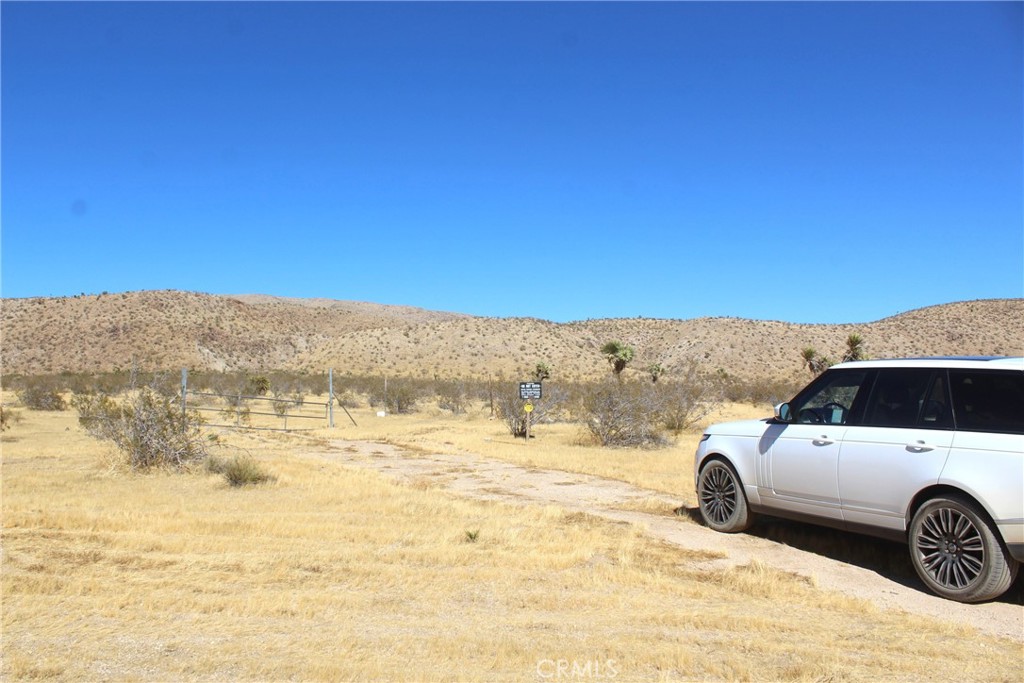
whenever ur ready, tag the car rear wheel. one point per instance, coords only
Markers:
(720, 496)
(957, 553)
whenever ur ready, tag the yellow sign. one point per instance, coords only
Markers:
(528, 407)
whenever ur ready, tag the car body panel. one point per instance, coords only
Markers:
(802, 469)
(881, 469)
(989, 467)
(738, 437)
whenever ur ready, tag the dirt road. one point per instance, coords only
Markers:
(482, 478)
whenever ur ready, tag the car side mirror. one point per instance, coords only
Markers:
(783, 413)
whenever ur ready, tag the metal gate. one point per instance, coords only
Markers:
(266, 413)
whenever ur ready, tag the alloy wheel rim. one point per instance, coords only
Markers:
(718, 496)
(950, 548)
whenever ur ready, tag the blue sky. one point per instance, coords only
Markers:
(805, 162)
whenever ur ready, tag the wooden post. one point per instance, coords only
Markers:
(184, 390)
(490, 393)
(330, 398)
(528, 409)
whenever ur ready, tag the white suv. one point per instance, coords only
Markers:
(927, 451)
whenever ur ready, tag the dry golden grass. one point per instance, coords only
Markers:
(338, 574)
(560, 446)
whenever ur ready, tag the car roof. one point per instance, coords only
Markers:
(966, 362)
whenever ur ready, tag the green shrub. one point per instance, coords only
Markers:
(215, 464)
(399, 396)
(259, 385)
(242, 470)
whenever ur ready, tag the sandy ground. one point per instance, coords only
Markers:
(481, 478)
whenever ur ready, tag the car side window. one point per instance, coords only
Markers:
(937, 412)
(829, 399)
(900, 395)
(988, 401)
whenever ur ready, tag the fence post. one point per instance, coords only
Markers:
(184, 391)
(330, 398)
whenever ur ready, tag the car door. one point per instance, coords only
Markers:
(803, 460)
(899, 447)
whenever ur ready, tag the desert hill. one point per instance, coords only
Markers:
(171, 329)
(168, 329)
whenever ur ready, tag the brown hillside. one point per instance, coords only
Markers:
(170, 329)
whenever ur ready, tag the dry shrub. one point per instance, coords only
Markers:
(688, 399)
(149, 430)
(622, 414)
(512, 409)
(7, 418)
(40, 394)
(452, 395)
(762, 390)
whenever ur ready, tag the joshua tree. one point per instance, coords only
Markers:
(542, 372)
(259, 385)
(655, 371)
(618, 355)
(808, 355)
(854, 348)
(815, 363)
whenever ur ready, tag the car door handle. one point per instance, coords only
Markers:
(823, 440)
(920, 447)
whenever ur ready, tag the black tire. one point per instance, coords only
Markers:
(956, 551)
(723, 505)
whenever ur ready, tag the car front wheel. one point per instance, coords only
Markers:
(956, 552)
(723, 504)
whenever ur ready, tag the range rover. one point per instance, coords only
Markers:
(929, 452)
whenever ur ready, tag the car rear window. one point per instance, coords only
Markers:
(898, 397)
(988, 401)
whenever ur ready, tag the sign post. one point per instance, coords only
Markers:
(528, 408)
(529, 391)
